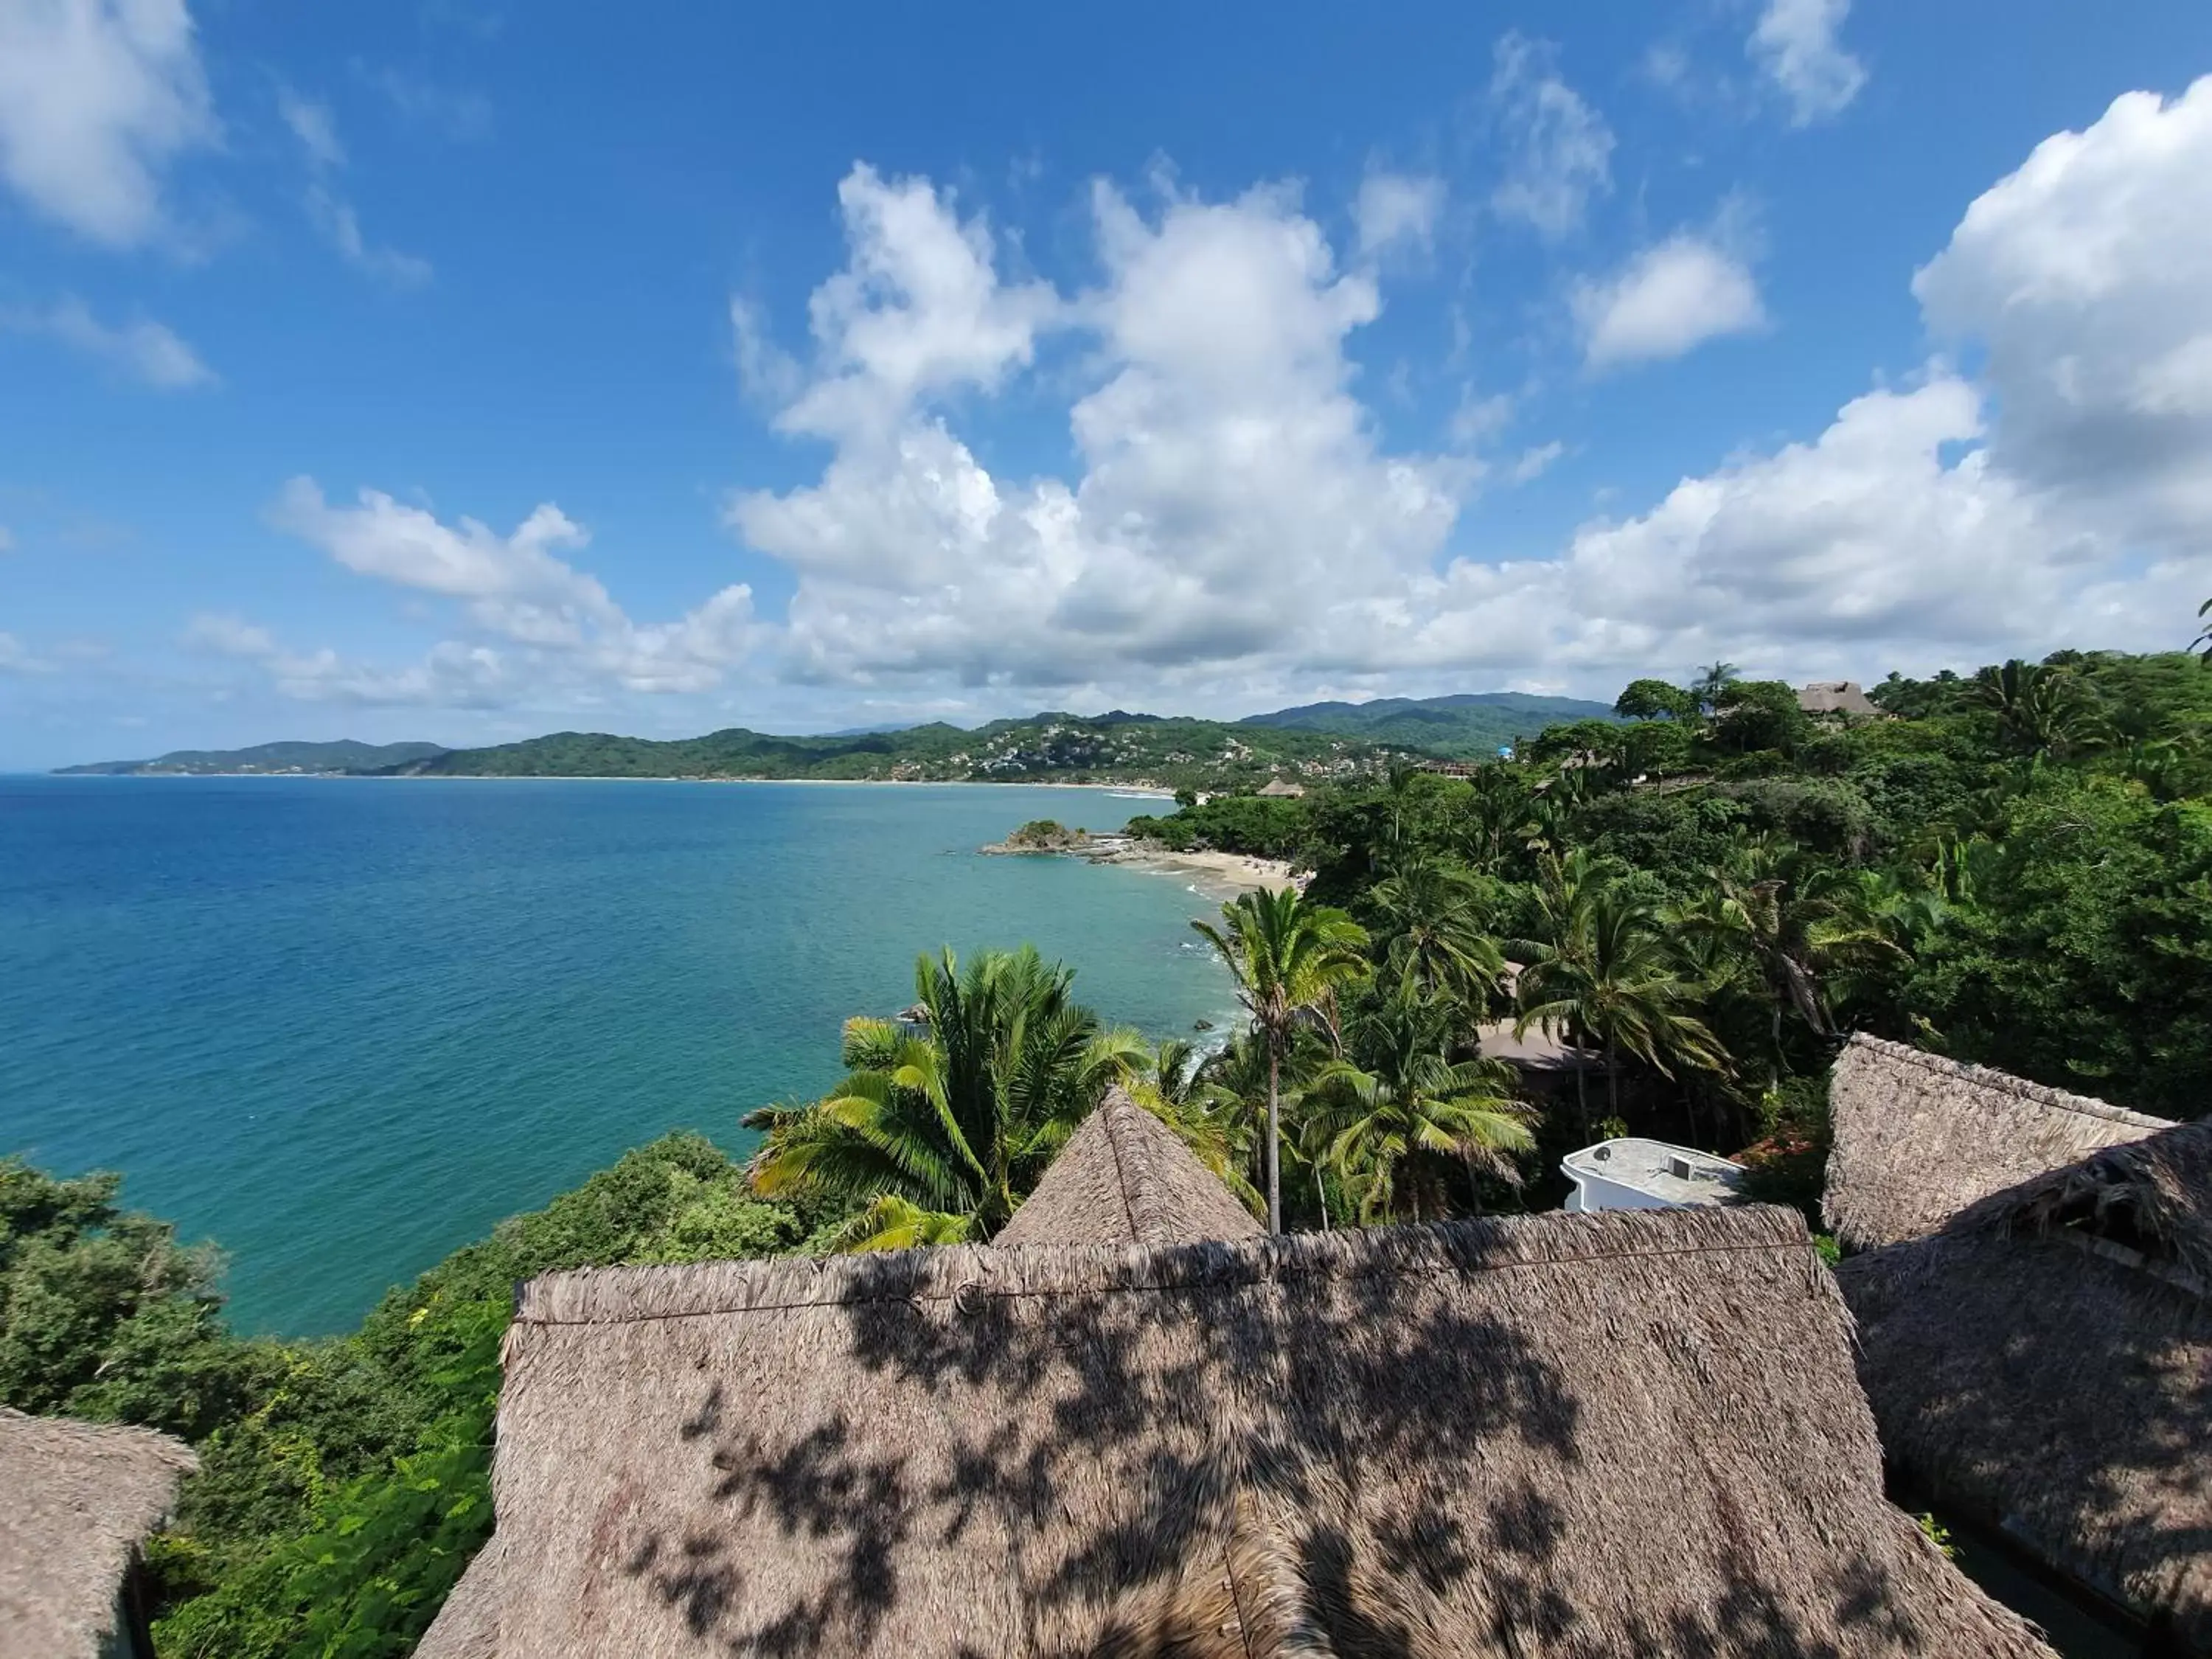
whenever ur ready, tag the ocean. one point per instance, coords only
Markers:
(342, 1026)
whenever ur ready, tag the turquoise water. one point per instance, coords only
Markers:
(344, 1026)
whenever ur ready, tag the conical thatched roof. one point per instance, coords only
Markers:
(1125, 1177)
(1918, 1137)
(76, 1498)
(1565, 1435)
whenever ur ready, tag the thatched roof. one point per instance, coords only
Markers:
(1125, 1177)
(1918, 1137)
(2046, 1361)
(1836, 697)
(75, 1499)
(467, 1626)
(1566, 1435)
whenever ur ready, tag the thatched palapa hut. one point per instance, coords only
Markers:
(76, 1501)
(1918, 1138)
(2042, 1361)
(1125, 1178)
(1845, 698)
(1566, 1435)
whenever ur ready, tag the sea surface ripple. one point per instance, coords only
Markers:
(342, 1026)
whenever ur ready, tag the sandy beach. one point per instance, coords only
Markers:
(1227, 873)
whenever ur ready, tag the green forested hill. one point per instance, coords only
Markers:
(1467, 725)
(343, 756)
(1316, 740)
(1107, 748)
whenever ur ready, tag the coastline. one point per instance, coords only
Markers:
(1148, 791)
(1225, 873)
(1216, 875)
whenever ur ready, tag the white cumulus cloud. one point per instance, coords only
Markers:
(1668, 299)
(1233, 526)
(450, 674)
(1230, 481)
(1795, 43)
(918, 311)
(97, 98)
(1232, 529)
(559, 625)
(2086, 277)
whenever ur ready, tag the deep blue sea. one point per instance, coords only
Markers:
(340, 1027)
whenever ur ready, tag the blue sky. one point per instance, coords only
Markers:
(466, 371)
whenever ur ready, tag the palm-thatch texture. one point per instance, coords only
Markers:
(1567, 1435)
(2045, 1361)
(1918, 1138)
(1125, 1177)
(467, 1626)
(75, 1499)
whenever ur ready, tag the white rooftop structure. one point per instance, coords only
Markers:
(1633, 1174)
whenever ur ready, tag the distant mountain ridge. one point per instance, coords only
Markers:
(343, 756)
(1315, 740)
(1462, 724)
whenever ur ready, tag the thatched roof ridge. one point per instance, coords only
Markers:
(2045, 1361)
(1125, 1177)
(1566, 1434)
(75, 1500)
(2151, 1199)
(965, 1275)
(1918, 1137)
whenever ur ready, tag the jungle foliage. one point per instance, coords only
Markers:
(1702, 897)
(343, 1484)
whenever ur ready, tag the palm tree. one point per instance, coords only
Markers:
(1181, 1090)
(1796, 920)
(1390, 1127)
(938, 1132)
(1288, 958)
(2041, 710)
(1711, 680)
(1606, 971)
(1432, 926)
(1496, 815)
(1236, 1076)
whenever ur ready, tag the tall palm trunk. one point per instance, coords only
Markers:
(1582, 1090)
(1612, 1079)
(1274, 1138)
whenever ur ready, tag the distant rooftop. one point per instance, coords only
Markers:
(1653, 1170)
(1836, 697)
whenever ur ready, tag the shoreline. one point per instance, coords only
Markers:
(1148, 791)
(1214, 874)
(1232, 872)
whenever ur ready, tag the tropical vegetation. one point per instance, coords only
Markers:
(947, 1116)
(1694, 900)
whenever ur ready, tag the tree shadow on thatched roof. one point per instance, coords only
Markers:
(1479, 1383)
(1598, 1434)
(2045, 1363)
